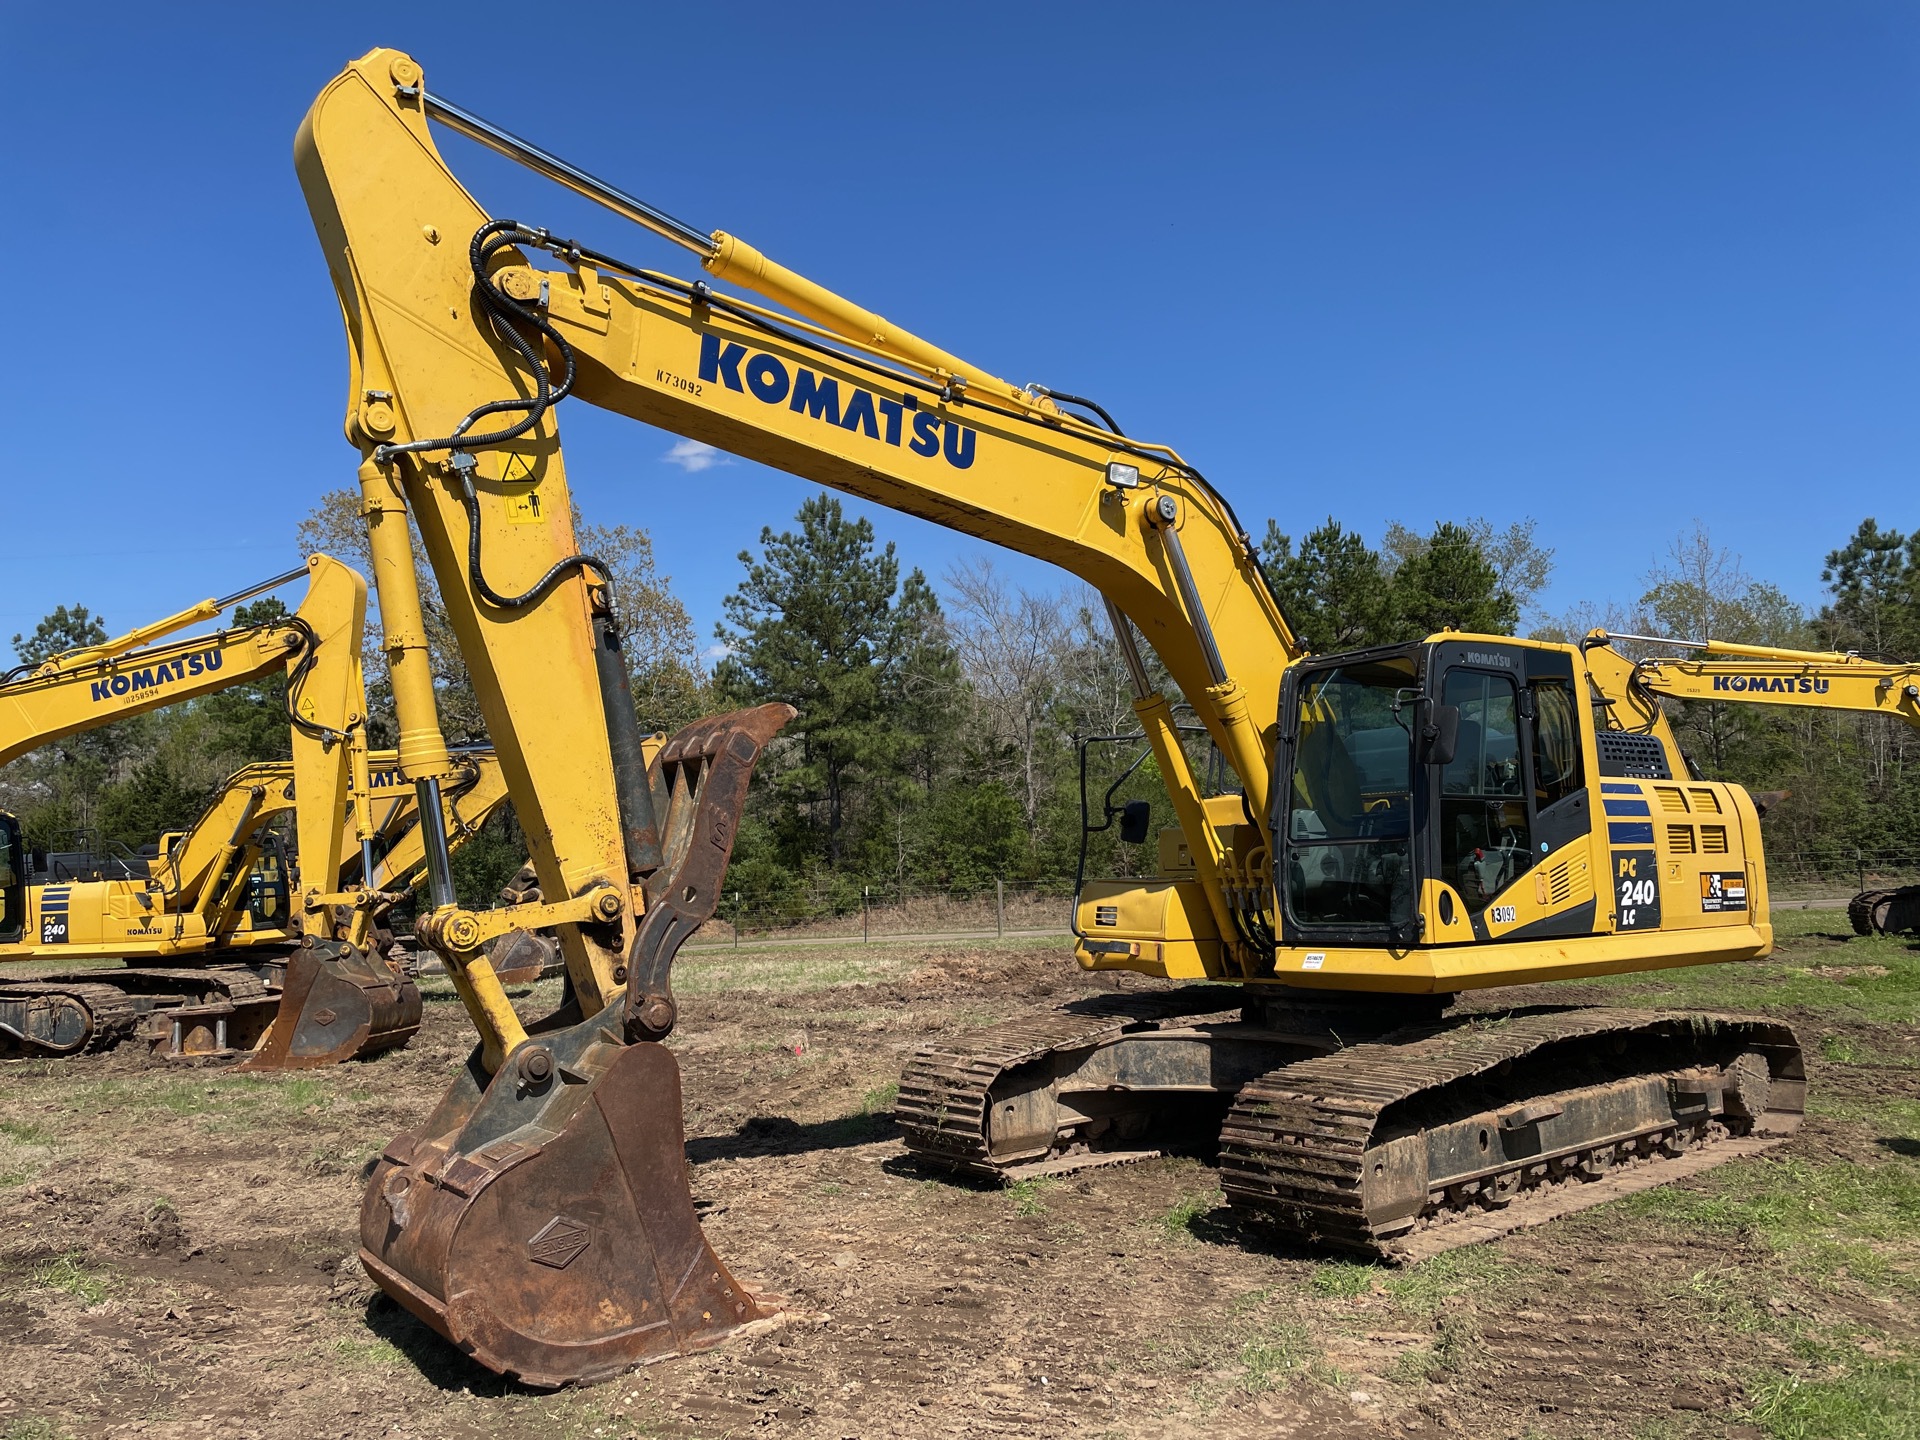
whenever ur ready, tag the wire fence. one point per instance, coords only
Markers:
(1839, 870)
(876, 912)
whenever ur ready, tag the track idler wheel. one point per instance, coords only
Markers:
(564, 1249)
(339, 1003)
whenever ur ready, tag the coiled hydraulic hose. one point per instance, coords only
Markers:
(506, 316)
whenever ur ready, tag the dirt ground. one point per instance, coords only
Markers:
(176, 1251)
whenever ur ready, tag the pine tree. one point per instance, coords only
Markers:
(1451, 584)
(823, 622)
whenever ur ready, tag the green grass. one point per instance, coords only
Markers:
(220, 1100)
(33, 1427)
(1176, 1223)
(1025, 1195)
(789, 973)
(1424, 1288)
(1274, 1354)
(1264, 1345)
(1816, 1220)
(1845, 1050)
(1452, 1350)
(1805, 942)
(879, 1100)
(25, 1149)
(68, 1274)
(361, 1352)
(1891, 1118)
(1858, 1398)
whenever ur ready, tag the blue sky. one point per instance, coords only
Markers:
(1613, 266)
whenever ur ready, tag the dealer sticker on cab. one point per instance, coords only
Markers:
(1722, 890)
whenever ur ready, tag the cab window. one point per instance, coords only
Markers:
(1484, 833)
(1557, 771)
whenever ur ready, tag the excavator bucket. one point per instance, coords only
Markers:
(338, 1003)
(541, 1218)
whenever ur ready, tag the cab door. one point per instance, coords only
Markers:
(13, 882)
(1511, 816)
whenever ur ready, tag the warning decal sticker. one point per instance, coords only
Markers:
(1722, 890)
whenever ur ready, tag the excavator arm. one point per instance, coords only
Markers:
(318, 647)
(1767, 675)
(132, 674)
(461, 346)
(1724, 672)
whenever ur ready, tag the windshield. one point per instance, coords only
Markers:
(1349, 834)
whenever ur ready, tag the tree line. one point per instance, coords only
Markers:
(935, 745)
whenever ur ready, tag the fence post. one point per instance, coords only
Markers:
(865, 936)
(1860, 861)
(736, 919)
(1000, 908)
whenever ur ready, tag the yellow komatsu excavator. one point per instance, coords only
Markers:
(302, 996)
(1406, 823)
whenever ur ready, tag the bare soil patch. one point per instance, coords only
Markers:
(176, 1255)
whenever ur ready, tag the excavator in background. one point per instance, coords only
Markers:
(1404, 823)
(1726, 673)
(296, 991)
(223, 885)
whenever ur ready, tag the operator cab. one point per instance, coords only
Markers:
(1424, 783)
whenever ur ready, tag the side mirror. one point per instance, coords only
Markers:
(1440, 736)
(1136, 819)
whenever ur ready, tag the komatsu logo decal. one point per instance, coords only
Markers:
(126, 682)
(1777, 684)
(769, 380)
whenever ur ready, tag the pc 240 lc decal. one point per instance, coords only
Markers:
(1636, 890)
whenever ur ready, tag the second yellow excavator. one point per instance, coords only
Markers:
(224, 887)
(245, 967)
(1723, 672)
(1404, 824)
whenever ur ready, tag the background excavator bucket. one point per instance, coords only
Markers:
(541, 1218)
(338, 1003)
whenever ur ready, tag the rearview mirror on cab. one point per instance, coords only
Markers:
(1440, 736)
